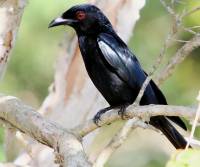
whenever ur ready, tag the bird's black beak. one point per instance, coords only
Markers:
(60, 21)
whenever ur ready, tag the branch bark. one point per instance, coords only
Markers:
(66, 143)
(30, 122)
(142, 112)
(10, 17)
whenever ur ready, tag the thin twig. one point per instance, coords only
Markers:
(179, 56)
(115, 143)
(193, 142)
(194, 27)
(180, 40)
(119, 139)
(156, 65)
(189, 30)
(194, 124)
(167, 7)
(190, 12)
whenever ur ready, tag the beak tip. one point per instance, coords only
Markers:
(51, 24)
(60, 21)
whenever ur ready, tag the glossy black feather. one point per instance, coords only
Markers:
(125, 64)
(114, 69)
(119, 57)
(118, 75)
(162, 100)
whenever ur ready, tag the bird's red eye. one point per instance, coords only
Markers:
(80, 15)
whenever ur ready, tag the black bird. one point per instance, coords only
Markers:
(113, 68)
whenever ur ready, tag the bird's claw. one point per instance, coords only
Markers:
(122, 112)
(97, 118)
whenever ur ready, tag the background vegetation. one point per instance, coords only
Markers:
(30, 70)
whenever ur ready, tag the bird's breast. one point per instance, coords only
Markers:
(114, 90)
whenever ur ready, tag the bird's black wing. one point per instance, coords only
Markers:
(121, 60)
(162, 100)
(127, 67)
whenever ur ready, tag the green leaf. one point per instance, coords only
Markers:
(185, 158)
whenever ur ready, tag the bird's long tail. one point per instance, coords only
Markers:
(169, 131)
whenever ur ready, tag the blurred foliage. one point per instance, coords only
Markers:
(30, 70)
(188, 158)
(2, 156)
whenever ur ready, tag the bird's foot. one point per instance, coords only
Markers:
(97, 117)
(122, 112)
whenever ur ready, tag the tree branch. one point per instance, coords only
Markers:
(194, 125)
(10, 17)
(27, 120)
(178, 58)
(119, 139)
(143, 112)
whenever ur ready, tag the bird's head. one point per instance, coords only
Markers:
(85, 19)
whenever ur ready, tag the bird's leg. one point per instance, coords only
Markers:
(122, 111)
(97, 117)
